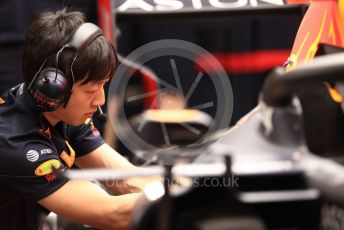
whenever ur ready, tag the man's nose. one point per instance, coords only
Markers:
(99, 98)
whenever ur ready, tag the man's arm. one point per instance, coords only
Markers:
(106, 157)
(87, 203)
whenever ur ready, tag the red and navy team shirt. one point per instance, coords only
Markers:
(28, 151)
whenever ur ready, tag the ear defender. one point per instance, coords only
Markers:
(50, 88)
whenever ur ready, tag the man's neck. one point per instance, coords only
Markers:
(51, 118)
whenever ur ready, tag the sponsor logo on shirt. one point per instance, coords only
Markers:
(52, 176)
(47, 167)
(46, 151)
(68, 159)
(88, 120)
(32, 155)
(45, 132)
(95, 132)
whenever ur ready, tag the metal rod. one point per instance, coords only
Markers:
(192, 170)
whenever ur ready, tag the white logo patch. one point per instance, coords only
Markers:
(32, 155)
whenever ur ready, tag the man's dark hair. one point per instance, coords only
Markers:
(49, 32)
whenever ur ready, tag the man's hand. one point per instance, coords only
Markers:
(87, 203)
(131, 185)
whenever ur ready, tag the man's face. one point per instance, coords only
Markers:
(82, 104)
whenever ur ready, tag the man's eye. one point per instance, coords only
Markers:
(91, 91)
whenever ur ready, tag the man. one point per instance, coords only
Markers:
(45, 124)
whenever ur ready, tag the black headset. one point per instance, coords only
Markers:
(49, 87)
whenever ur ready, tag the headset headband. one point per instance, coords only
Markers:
(83, 36)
